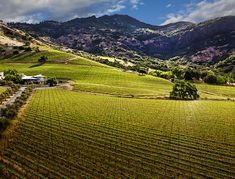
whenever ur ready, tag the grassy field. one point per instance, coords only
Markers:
(71, 135)
(223, 91)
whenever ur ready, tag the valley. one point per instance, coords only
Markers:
(111, 114)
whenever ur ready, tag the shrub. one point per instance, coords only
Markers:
(16, 52)
(52, 82)
(9, 112)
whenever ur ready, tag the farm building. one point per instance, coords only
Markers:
(33, 79)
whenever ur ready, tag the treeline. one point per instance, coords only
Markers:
(194, 75)
(110, 63)
(11, 111)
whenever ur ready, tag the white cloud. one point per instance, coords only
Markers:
(38, 10)
(168, 5)
(204, 10)
(115, 8)
(135, 3)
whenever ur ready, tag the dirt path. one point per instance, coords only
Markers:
(16, 95)
(12, 99)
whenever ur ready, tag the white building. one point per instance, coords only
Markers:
(2, 76)
(33, 79)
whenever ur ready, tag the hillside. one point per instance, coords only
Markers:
(87, 75)
(90, 75)
(124, 36)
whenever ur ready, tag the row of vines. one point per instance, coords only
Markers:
(71, 135)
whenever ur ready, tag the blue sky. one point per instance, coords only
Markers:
(155, 12)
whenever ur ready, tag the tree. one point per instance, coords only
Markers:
(43, 59)
(184, 90)
(191, 74)
(13, 76)
(221, 80)
(142, 70)
(178, 73)
(210, 78)
(52, 81)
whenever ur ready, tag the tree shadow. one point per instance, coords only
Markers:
(36, 65)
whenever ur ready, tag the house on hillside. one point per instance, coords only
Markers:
(2, 76)
(39, 79)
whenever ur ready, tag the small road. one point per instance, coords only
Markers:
(16, 95)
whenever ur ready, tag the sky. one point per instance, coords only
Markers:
(156, 12)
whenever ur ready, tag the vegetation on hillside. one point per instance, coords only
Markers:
(194, 75)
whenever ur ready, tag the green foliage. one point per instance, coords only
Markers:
(221, 80)
(12, 75)
(211, 79)
(184, 90)
(10, 91)
(52, 82)
(142, 70)
(191, 74)
(110, 63)
(162, 74)
(178, 73)
(227, 65)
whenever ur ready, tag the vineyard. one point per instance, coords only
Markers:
(92, 77)
(99, 79)
(72, 135)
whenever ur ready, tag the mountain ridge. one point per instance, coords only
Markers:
(124, 36)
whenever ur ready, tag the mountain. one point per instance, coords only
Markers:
(124, 36)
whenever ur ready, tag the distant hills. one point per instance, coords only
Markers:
(126, 37)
